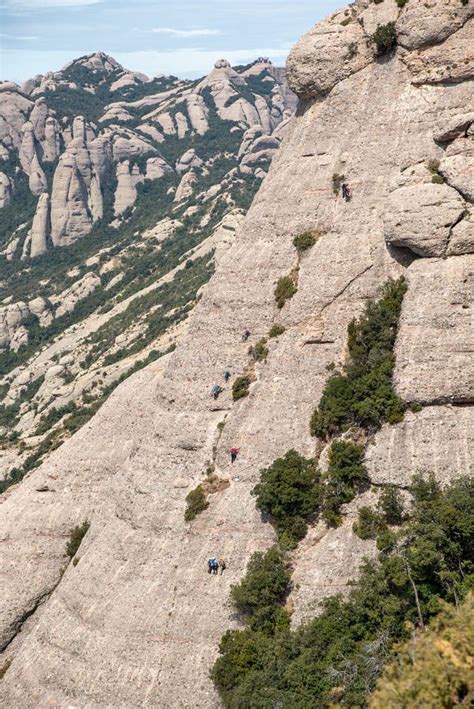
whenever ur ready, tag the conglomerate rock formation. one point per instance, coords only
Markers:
(138, 620)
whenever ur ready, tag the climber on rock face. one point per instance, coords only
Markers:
(245, 334)
(346, 191)
(234, 452)
(227, 375)
(215, 391)
(222, 565)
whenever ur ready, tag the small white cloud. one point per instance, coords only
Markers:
(23, 38)
(204, 32)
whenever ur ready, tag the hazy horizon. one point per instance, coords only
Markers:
(179, 37)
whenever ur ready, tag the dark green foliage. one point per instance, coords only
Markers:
(305, 241)
(346, 477)
(276, 330)
(259, 351)
(437, 179)
(337, 657)
(337, 181)
(289, 492)
(390, 506)
(258, 598)
(384, 39)
(240, 387)
(284, 290)
(20, 210)
(369, 523)
(76, 536)
(363, 394)
(196, 502)
(401, 3)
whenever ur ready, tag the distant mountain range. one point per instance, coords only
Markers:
(137, 177)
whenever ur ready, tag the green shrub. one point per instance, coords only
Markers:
(346, 477)
(259, 351)
(401, 3)
(76, 535)
(439, 673)
(384, 39)
(337, 181)
(305, 241)
(258, 598)
(437, 179)
(363, 393)
(276, 330)
(196, 502)
(289, 492)
(369, 523)
(241, 386)
(390, 506)
(284, 290)
(336, 657)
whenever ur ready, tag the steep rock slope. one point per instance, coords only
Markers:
(137, 621)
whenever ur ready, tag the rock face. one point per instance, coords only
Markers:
(133, 615)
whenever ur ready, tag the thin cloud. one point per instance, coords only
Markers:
(17, 37)
(205, 32)
(37, 4)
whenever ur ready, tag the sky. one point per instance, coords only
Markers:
(179, 37)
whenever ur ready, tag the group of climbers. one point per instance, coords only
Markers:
(217, 389)
(214, 566)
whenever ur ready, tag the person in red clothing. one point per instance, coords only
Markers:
(234, 452)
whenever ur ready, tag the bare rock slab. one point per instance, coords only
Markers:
(419, 217)
(435, 343)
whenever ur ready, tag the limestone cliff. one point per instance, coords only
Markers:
(138, 620)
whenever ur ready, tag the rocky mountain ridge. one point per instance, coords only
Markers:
(112, 183)
(134, 613)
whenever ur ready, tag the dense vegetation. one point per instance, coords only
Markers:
(289, 492)
(338, 656)
(346, 477)
(434, 668)
(362, 393)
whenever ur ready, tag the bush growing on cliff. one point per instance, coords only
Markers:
(289, 492)
(196, 502)
(259, 597)
(76, 536)
(384, 38)
(241, 387)
(346, 477)
(368, 524)
(305, 241)
(362, 394)
(336, 657)
(276, 330)
(390, 506)
(259, 351)
(284, 290)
